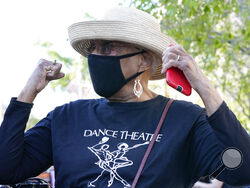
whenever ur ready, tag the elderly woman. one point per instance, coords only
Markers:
(101, 142)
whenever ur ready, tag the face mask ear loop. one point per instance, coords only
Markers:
(133, 76)
(130, 55)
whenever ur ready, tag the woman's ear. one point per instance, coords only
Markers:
(146, 61)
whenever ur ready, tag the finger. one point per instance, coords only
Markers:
(60, 75)
(175, 49)
(56, 77)
(167, 65)
(167, 50)
(43, 63)
(181, 49)
(54, 70)
(171, 63)
(57, 67)
(47, 66)
(170, 47)
(168, 57)
(167, 61)
(172, 57)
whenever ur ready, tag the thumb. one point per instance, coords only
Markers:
(60, 75)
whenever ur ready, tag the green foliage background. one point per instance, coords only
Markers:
(215, 32)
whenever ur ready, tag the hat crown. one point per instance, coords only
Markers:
(132, 15)
(122, 24)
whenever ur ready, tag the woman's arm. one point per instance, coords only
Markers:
(210, 137)
(217, 127)
(230, 133)
(23, 155)
(210, 97)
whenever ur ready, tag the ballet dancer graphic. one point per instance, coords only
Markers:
(111, 161)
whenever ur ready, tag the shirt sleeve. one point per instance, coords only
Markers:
(209, 137)
(230, 133)
(27, 154)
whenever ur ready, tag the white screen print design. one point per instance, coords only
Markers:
(111, 161)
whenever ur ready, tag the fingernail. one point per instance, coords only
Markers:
(169, 46)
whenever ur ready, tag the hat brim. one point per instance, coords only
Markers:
(140, 35)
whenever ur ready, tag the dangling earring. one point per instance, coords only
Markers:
(138, 92)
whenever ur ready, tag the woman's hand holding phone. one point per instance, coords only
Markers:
(182, 72)
(190, 69)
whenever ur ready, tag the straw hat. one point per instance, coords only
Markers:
(122, 24)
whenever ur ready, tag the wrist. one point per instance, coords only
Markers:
(204, 87)
(210, 97)
(27, 95)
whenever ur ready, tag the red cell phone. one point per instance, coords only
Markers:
(177, 80)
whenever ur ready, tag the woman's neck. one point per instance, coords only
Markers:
(126, 94)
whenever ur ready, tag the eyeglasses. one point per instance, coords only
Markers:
(105, 47)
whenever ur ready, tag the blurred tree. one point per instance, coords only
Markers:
(216, 33)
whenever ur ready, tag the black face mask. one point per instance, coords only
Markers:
(106, 73)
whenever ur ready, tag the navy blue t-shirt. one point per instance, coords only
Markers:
(97, 143)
